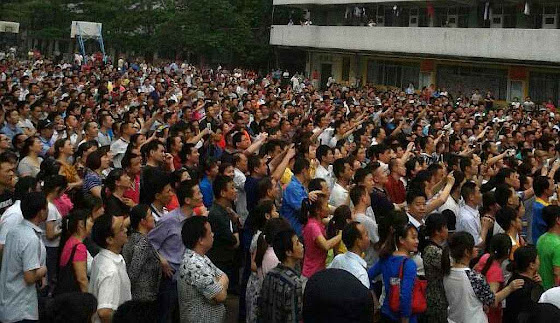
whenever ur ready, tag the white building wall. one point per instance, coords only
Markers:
(509, 44)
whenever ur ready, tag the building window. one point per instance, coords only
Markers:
(398, 74)
(465, 79)
(543, 87)
(346, 68)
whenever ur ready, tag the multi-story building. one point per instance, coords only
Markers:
(509, 47)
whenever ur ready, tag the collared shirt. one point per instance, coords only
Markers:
(118, 148)
(416, 256)
(396, 190)
(143, 267)
(371, 255)
(166, 238)
(353, 264)
(291, 203)
(281, 298)
(197, 286)
(206, 190)
(538, 224)
(339, 196)
(9, 220)
(469, 221)
(241, 203)
(24, 251)
(109, 281)
(104, 139)
(10, 131)
(46, 144)
(326, 174)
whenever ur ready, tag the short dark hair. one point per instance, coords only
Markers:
(504, 216)
(411, 195)
(322, 151)
(220, 184)
(468, 189)
(102, 229)
(356, 194)
(253, 162)
(32, 203)
(137, 213)
(193, 230)
(361, 174)
(300, 165)
(283, 243)
(502, 194)
(137, 311)
(549, 214)
(339, 166)
(151, 146)
(350, 234)
(185, 190)
(24, 185)
(540, 184)
(93, 161)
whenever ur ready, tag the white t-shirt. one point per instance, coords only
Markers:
(11, 217)
(551, 296)
(109, 281)
(55, 216)
(339, 196)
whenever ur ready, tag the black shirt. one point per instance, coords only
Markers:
(116, 207)
(6, 200)
(522, 300)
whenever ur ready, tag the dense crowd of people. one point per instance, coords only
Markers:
(136, 192)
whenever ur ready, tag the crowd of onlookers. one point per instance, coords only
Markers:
(141, 193)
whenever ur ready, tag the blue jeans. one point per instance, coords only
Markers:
(168, 301)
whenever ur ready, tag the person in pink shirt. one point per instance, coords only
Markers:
(73, 258)
(490, 266)
(314, 235)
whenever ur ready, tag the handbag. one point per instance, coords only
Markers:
(67, 282)
(419, 304)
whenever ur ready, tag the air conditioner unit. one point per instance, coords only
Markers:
(497, 21)
(497, 17)
(452, 21)
(550, 17)
(413, 17)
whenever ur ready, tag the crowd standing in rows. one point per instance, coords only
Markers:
(135, 192)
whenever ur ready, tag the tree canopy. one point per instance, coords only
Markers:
(209, 31)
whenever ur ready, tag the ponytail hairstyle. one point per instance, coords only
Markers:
(398, 227)
(271, 229)
(460, 243)
(310, 208)
(500, 247)
(257, 217)
(339, 220)
(522, 258)
(70, 225)
(55, 183)
(111, 182)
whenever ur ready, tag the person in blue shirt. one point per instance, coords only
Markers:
(46, 131)
(544, 188)
(210, 173)
(400, 243)
(11, 129)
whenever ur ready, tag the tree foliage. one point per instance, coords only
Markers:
(208, 31)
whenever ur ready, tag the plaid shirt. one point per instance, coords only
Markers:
(281, 296)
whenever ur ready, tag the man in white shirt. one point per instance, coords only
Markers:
(325, 157)
(118, 148)
(356, 238)
(109, 281)
(240, 169)
(416, 204)
(361, 200)
(469, 218)
(343, 173)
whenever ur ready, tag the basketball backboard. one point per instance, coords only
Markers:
(85, 29)
(9, 27)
